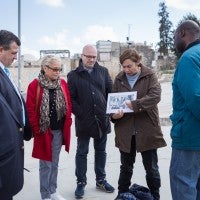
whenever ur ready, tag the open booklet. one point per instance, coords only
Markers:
(117, 101)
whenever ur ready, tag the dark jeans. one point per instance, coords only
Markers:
(150, 162)
(99, 158)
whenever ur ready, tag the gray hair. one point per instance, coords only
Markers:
(47, 60)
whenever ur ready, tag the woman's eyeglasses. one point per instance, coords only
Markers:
(54, 69)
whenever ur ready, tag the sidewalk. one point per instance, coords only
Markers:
(66, 174)
(67, 179)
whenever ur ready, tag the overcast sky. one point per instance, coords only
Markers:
(70, 24)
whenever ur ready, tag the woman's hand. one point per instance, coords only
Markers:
(119, 114)
(129, 104)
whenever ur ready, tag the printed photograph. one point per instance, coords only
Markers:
(117, 101)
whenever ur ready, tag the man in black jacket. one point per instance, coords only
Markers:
(89, 86)
(14, 125)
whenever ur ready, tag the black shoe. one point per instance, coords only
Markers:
(156, 196)
(105, 186)
(79, 192)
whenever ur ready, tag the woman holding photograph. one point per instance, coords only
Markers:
(139, 130)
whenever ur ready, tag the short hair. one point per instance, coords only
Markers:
(7, 37)
(191, 26)
(131, 54)
(89, 47)
(47, 60)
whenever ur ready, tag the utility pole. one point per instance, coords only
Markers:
(128, 38)
(19, 52)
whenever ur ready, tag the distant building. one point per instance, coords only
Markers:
(60, 53)
(109, 51)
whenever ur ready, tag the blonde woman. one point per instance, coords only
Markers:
(49, 108)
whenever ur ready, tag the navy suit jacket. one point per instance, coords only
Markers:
(12, 134)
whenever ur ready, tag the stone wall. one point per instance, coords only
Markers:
(29, 73)
(31, 69)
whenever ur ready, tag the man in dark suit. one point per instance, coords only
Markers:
(14, 125)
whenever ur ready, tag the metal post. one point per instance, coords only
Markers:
(19, 52)
(129, 29)
(128, 38)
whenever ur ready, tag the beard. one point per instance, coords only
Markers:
(180, 46)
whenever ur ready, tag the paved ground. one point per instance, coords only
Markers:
(66, 177)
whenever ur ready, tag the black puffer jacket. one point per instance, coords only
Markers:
(89, 95)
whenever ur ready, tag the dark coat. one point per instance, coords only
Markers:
(89, 96)
(144, 121)
(12, 133)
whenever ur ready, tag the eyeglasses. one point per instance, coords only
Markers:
(90, 57)
(54, 69)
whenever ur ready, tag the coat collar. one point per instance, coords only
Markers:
(193, 44)
(80, 68)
